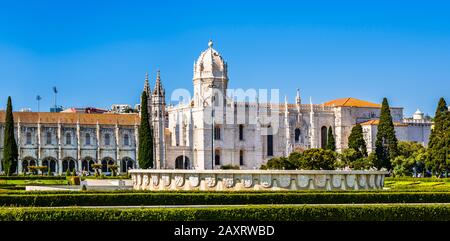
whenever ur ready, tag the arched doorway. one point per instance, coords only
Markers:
(86, 164)
(105, 162)
(323, 137)
(26, 162)
(50, 163)
(182, 162)
(297, 135)
(127, 163)
(68, 163)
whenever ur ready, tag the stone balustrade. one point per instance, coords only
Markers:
(243, 180)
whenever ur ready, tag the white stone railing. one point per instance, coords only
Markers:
(242, 180)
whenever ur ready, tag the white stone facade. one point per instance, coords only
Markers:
(74, 141)
(242, 139)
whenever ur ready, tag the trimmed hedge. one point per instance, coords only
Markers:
(122, 199)
(32, 178)
(392, 212)
(417, 179)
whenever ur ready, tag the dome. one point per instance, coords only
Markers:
(210, 64)
(418, 115)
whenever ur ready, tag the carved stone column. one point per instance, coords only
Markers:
(98, 142)
(119, 163)
(19, 142)
(136, 139)
(59, 142)
(79, 147)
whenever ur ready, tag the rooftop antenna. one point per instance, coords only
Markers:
(38, 98)
(56, 92)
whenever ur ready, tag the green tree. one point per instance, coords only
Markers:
(10, 151)
(386, 142)
(411, 155)
(277, 163)
(317, 159)
(331, 142)
(145, 155)
(356, 141)
(438, 145)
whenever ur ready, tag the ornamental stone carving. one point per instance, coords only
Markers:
(337, 181)
(320, 180)
(165, 178)
(362, 180)
(284, 180)
(155, 180)
(372, 180)
(179, 180)
(350, 179)
(210, 180)
(133, 179)
(255, 179)
(303, 180)
(139, 180)
(194, 180)
(146, 181)
(265, 181)
(247, 180)
(228, 181)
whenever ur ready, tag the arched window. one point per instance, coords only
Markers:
(126, 140)
(28, 138)
(297, 135)
(323, 135)
(88, 139)
(241, 132)
(269, 145)
(49, 138)
(177, 134)
(241, 157)
(217, 158)
(217, 132)
(107, 139)
(68, 139)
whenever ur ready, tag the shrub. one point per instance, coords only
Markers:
(217, 198)
(230, 167)
(32, 178)
(393, 212)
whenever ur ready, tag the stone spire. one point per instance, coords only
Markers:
(298, 100)
(146, 84)
(159, 90)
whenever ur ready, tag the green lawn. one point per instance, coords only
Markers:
(418, 184)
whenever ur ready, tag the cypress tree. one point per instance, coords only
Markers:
(386, 142)
(356, 141)
(438, 145)
(10, 152)
(145, 155)
(331, 142)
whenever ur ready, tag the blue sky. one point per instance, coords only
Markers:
(97, 52)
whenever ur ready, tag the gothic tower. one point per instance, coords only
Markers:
(210, 72)
(158, 106)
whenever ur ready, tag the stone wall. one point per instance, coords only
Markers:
(241, 180)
